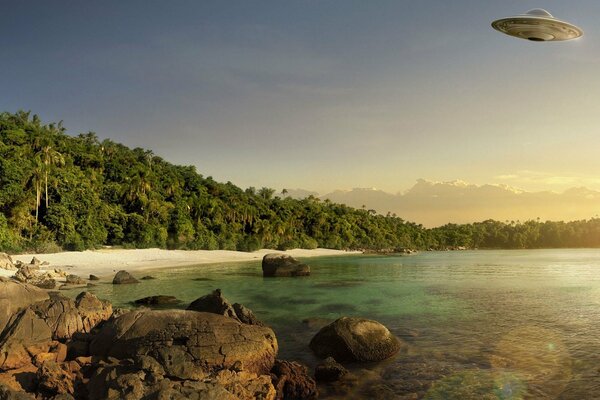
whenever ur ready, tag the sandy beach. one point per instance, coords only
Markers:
(106, 262)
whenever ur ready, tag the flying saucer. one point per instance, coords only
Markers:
(537, 25)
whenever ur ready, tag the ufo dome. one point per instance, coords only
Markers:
(537, 25)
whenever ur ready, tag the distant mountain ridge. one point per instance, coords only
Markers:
(437, 203)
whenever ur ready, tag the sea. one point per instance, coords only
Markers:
(483, 324)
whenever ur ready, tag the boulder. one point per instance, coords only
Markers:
(6, 262)
(274, 264)
(355, 339)
(292, 382)
(26, 334)
(188, 344)
(35, 261)
(74, 280)
(93, 278)
(148, 278)
(124, 277)
(329, 371)
(157, 300)
(217, 304)
(15, 296)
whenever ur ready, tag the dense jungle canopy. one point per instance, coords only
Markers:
(62, 192)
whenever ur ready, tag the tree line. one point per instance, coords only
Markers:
(62, 192)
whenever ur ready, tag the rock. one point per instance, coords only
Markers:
(217, 304)
(188, 344)
(54, 379)
(21, 379)
(92, 310)
(274, 264)
(124, 277)
(157, 300)
(15, 296)
(122, 380)
(329, 371)
(25, 274)
(46, 283)
(245, 315)
(26, 334)
(6, 262)
(74, 280)
(355, 339)
(93, 278)
(35, 261)
(214, 303)
(36, 329)
(147, 278)
(9, 394)
(292, 382)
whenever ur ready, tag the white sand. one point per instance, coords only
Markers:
(106, 262)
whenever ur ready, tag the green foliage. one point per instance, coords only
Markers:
(63, 192)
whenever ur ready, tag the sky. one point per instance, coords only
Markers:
(317, 94)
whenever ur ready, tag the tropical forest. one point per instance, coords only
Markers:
(63, 192)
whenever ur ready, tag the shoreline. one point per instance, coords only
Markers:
(105, 262)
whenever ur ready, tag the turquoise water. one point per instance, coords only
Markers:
(477, 324)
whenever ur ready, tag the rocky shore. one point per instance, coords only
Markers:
(53, 347)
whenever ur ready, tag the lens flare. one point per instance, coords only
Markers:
(538, 356)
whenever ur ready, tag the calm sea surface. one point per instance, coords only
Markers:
(477, 324)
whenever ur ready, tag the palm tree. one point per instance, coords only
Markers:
(36, 179)
(50, 158)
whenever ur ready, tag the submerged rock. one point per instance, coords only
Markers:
(124, 277)
(355, 339)
(329, 370)
(157, 300)
(275, 264)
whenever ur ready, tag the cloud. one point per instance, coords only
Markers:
(536, 177)
(436, 203)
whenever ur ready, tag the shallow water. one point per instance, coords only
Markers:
(477, 324)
